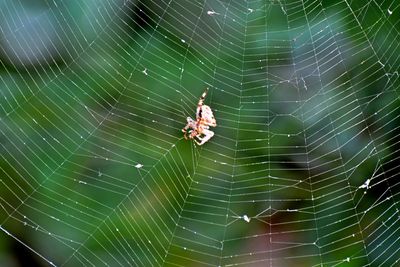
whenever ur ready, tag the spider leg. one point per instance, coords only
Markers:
(190, 124)
(200, 137)
(207, 136)
(184, 130)
(203, 96)
(197, 142)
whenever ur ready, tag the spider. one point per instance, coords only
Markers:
(198, 129)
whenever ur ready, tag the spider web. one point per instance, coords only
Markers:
(302, 170)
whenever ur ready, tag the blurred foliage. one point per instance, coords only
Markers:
(306, 99)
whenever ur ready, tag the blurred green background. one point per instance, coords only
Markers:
(302, 170)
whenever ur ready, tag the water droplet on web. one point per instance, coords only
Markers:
(138, 166)
(210, 12)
